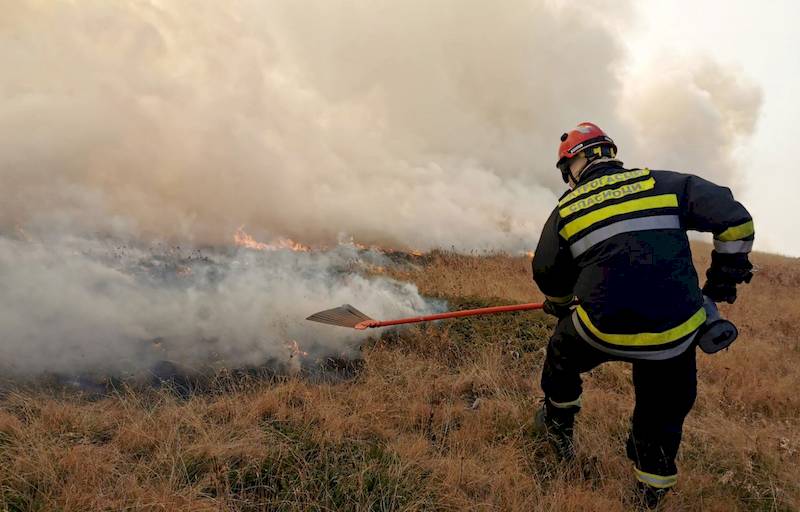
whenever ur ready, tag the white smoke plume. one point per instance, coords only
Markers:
(73, 306)
(412, 124)
(416, 124)
(692, 117)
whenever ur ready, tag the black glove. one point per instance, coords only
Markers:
(734, 268)
(720, 291)
(557, 310)
(725, 272)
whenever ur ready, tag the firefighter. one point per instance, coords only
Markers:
(615, 265)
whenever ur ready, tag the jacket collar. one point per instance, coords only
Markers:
(598, 169)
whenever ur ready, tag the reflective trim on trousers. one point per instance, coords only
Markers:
(566, 405)
(566, 299)
(661, 482)
(653, 355)
(733, 247)
(624, 226)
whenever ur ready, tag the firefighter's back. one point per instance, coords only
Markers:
(636, 281)
(625, 231)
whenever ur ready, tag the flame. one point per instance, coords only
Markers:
(288, 243)
(530, 254)
(242, 239)
(349, 240)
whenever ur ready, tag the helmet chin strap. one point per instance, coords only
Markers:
(573, 178)
(573, 181)
(592, 158)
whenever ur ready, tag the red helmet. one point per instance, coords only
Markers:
(584, 136)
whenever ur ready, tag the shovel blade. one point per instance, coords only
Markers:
(343, 316)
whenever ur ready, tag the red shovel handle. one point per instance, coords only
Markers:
(451, 314)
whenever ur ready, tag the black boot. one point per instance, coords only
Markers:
(557, 425)
(658, 456)
(650, 496)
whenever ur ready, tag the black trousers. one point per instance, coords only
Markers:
(665, 393)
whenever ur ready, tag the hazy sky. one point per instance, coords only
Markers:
(761, 39)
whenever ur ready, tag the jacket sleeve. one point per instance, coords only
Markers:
(710, 207)
(554, 270)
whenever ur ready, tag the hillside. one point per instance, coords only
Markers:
(436, 418)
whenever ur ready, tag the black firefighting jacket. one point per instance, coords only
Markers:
(618, 243)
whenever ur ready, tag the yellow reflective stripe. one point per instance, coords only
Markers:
(565, 405)
(613, 193)
(661, 482)
(602, 181)
(561, 300)
(634, 205)
(646, 338)
(736, 232)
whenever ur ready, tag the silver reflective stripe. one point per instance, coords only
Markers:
(561, 300)
(566, 405)
(653, 355)
(624, 226)
(733, 247)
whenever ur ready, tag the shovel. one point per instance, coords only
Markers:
(348, 316)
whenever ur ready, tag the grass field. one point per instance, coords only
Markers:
(437, 418)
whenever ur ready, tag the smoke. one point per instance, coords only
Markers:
(692, 116)
(74, 306)
(412, 124)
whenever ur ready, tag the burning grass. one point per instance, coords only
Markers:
(437, 417)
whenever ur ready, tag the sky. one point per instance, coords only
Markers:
(761, 39)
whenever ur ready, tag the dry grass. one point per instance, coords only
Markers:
(438, 419)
